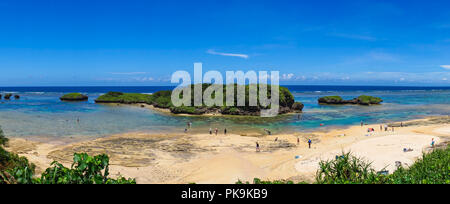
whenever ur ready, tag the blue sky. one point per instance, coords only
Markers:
(45, 43)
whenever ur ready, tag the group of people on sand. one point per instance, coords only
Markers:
(188, 127)
(384, 127)
(216, 131)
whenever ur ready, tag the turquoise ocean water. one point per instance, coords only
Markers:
(39, 113)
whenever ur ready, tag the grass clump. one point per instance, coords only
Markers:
(432, 168)
(347, 169)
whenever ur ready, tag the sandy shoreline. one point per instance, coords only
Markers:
(205, 158)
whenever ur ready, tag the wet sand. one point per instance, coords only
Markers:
(205, 158)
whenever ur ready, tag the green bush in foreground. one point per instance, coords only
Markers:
(433, 168)
(13, 168)
(347, 169)
(85, 169)
(3, 139)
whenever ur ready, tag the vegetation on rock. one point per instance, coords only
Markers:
(127, 98)
(367, 100)
(361, 100)
(162, 99)
(331, 99)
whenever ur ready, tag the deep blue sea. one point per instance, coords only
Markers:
(39, 112)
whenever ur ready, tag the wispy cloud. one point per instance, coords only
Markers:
(287, 76)
(128, 73)
(227, 54)
(354, 36)
(370, 77)
(445, 66)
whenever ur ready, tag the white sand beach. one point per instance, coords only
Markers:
(205, 158)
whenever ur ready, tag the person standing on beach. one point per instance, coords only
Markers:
(432, 142)
(381, 127)
(225, 131)
(362, 124)
(216, 131)
(210, 131)
(298, 141)
(257, 147)
(309, 143)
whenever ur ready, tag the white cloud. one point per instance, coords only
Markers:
(300, 78)
(375, 77)
(287, 76)
(228, 54)
(445, 66)
(144, 79)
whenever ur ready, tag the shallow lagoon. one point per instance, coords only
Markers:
(40, 113)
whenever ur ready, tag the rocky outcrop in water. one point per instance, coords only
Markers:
(74, 97)
(8, 96)
(162, 99)
(361, 100)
